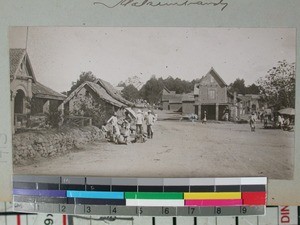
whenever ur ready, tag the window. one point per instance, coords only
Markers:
(212, 94)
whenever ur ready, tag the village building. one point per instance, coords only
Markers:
(113, 92)
(167, 95)
(98, 95)
(188, 102)
(28, 96)
(212, 96)
(175, 102)
(251, 103)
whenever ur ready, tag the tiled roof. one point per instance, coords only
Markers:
(41, 91)
(16, 56)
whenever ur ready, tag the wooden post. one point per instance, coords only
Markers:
(217, 111)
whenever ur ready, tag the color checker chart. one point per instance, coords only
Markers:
(140, 196)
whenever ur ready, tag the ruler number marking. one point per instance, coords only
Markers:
(218, 211)
(88, 209)
(141, 211)
(243, 210)
(165, 211)
(191, 210)
(63, 208)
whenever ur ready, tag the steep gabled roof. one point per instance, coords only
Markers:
(98, 90)
(113, 92)
(41, 91)
(216, 76)
(166, 90)
(16, 57)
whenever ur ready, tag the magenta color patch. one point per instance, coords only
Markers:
(218, 202)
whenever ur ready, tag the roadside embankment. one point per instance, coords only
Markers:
(33, 145)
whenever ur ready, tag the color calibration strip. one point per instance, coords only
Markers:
(140, 196)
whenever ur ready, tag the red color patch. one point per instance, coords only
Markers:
(254, 198)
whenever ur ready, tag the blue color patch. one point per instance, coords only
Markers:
(95, 194)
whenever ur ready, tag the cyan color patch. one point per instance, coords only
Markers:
(95, 194)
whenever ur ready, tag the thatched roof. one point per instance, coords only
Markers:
(98, 90)
(113, 92)
(177, 98)
(188, 97)
(167, 95)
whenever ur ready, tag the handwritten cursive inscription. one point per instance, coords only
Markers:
(141, 3)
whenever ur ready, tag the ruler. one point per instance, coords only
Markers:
(166, 197)
(288, 215)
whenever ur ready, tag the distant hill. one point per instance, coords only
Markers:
(134, 80)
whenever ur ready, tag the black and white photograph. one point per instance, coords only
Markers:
(153, 101)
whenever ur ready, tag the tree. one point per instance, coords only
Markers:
(130, 93)
(238, 86)
(152, 90)
(252, 89)
(84, 76)
(278, 85)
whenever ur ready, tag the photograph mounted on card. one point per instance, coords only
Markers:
(153, 101)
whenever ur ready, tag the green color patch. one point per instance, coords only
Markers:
(153, 195)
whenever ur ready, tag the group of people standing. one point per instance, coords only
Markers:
(149, 118)
(282, 122)
(130, 129)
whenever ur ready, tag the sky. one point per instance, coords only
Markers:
(59, 54)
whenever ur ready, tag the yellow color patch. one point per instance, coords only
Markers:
(213, 195)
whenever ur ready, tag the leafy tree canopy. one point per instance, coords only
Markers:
(238, 86)
(84, 76)
(130, 93)
(278, 85)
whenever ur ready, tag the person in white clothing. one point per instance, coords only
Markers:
(114, 122)
(139, 122)
(150, 122)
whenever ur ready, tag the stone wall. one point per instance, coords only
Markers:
(32, 145)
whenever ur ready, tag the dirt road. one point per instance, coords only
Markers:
(182, 149)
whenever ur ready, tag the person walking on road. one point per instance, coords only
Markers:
(252, 121)
(150, 122)
(204, 118)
